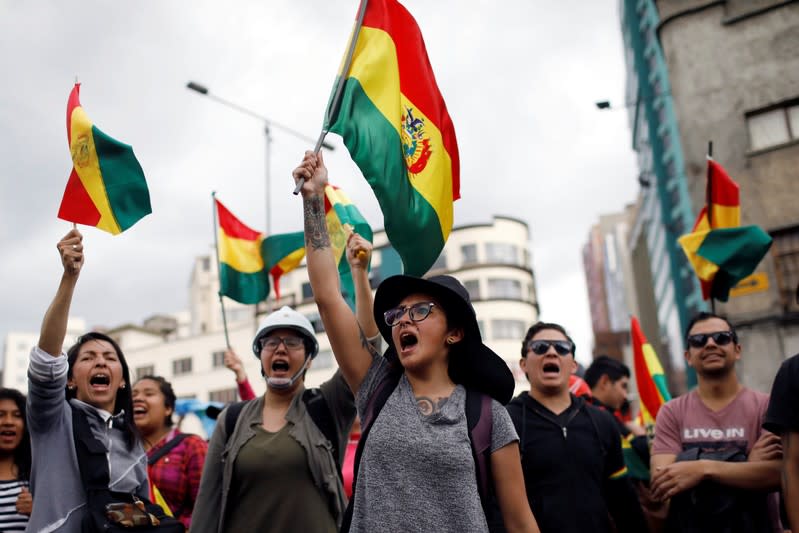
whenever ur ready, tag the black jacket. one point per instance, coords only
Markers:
(574, 468)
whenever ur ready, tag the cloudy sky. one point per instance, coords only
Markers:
(520, 78)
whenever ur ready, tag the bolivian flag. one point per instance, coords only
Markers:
(652, 389)
(242, 276)
(342, 219)
(396, 127)
(720, 250)
(106, 188)
(282, 253)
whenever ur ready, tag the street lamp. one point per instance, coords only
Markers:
(268, 125)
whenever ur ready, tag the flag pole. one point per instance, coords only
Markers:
(219, 270)
(709, 204)
(332, 109)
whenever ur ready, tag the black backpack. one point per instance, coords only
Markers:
(712, 507)
(479, 422)
(317, 408)
(93, 466)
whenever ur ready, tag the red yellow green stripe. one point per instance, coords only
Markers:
(620, 473)
(396, 126)
(106, 187)
(282, 253)
(242, 276)
(653, 391)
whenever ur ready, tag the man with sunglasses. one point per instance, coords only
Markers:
(571, 451)
(710, 457)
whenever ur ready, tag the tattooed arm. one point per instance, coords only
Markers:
(353, 353)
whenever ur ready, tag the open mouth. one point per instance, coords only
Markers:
(100, 380)
(8, 433)
(139, 410)
(551, 369)
(280, 366)
(408, 340)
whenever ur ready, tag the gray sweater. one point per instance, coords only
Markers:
(59, 499)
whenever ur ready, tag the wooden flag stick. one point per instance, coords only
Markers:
(219, 271)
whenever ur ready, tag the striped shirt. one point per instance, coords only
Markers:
(10, 519)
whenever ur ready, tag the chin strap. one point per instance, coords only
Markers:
(286, 383)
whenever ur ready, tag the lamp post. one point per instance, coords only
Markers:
(268, 125)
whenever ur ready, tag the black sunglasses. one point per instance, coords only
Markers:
(721, 338)
(541, 347)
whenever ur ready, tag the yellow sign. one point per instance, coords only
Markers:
(757, 282)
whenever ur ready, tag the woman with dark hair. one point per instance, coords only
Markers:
(416, 470)
(175, 459)
(15, 462)
(88, 385)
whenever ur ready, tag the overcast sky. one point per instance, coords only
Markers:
(520, 78)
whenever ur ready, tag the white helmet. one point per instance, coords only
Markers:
(286, 317)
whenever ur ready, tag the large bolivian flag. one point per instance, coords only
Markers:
(396, 127)
(106, 187)
(652, 389)
(720, 250)
(242, 276)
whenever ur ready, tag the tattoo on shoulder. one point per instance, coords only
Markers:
(429, 406)
(315, 224)
(366, 344)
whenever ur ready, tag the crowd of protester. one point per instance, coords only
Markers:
(422, 436)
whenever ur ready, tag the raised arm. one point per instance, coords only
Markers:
(54, 325)
(359, 253)
(349, 343)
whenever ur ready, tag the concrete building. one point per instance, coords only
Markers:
(609, 279)
(492, 260)
(727, 72)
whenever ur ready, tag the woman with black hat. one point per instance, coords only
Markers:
(417, 470)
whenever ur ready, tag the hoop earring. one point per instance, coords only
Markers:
(450, 340)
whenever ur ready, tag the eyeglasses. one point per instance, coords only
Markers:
(417, 312)
(721, 338)
(540, 347)
(270, 344)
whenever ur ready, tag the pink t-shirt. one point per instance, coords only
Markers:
(686, 422)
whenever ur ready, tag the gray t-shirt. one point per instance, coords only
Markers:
(417, 473)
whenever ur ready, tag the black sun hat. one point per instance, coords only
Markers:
(475, 365)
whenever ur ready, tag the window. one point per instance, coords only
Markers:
(786, 264)
(142, 371)
(501, 252)
(773, 127)
(307, 293)
(218, 358)
(316, 322)
(441, 262)
(469, 252)
(508, 329)
(324, 359)
(473, 288)
(505, 289)
(181, 366)
(223, 395)
(206, 264)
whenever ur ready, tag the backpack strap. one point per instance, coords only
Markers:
(319, 410)
(374, 405)
(166, 448)
(91, 454)
(231, 415)
(479, 422)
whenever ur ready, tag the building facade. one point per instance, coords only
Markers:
(726, 72)
(492, 260)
